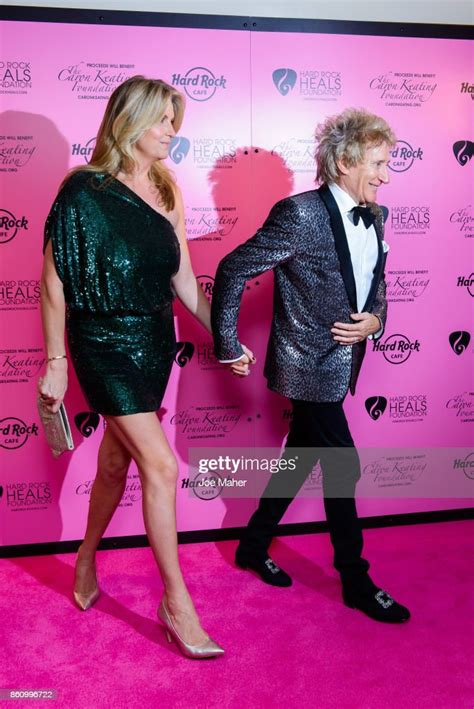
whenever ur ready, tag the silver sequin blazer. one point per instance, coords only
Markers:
(303, 240)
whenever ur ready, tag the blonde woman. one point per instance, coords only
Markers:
(115, 255)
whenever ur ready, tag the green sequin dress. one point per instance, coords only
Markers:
(115, 256)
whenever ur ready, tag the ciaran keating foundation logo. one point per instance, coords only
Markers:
(199, 83)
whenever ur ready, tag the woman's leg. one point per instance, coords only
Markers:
(107, 490)
(143, 437)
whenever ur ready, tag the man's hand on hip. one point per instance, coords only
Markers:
(366, 324)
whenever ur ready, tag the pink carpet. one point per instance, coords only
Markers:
(297, 647)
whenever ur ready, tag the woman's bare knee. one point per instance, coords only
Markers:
(113, 462)
(159, 472)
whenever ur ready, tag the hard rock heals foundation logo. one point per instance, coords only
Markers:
(199, 83)
(206, 153)
(410, 220)
(396, 349)
(459, 341)
(407, 408)
(463, 151)
(28, 496)
(19, 295)
(313, 84)
(15, 77)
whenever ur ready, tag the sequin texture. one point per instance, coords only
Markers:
(116, 256)
(297, 242)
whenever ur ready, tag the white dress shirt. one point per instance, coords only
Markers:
(362, 244)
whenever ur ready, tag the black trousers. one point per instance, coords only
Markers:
(322, 426)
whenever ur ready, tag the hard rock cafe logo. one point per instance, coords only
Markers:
(459, 341)
(131, 495)
(410, 220)
(464, 219)
(207, 421)
(406, 286)
(466, 282)
(10, 224)
(313, 84)
(395, 471)
(404, 89)
(15, 432)
(403, 156)
(207, 285)
(466, 465)
(298, 154)
(84, 150)
(397, 348)
(15, 77)
(402, 408)
(463, 151)
(28, 496)
(18, 366)
(89, 80)
(467, 88)
(15, 152)
(19, 295)
(199, 83)
(184, 353)
(211, 223)
(87, 422)
(462, 406)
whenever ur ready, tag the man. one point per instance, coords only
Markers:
(327, 252)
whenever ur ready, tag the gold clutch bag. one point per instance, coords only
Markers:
(56, 428)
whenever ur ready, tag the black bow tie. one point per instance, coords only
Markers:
(363, 213)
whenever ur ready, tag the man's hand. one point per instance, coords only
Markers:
(367, 324)
(241, 368)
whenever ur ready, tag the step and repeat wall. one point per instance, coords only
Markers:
(253, 101)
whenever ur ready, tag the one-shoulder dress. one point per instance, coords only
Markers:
(115, 256)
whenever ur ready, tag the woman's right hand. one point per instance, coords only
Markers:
(52, 386)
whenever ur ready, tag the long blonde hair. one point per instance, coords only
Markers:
(132, 109)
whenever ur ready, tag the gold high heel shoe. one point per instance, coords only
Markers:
(85, 600)
(207, 649)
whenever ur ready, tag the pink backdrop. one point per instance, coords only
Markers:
(245, 143)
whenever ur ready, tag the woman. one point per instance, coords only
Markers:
(115, 255)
